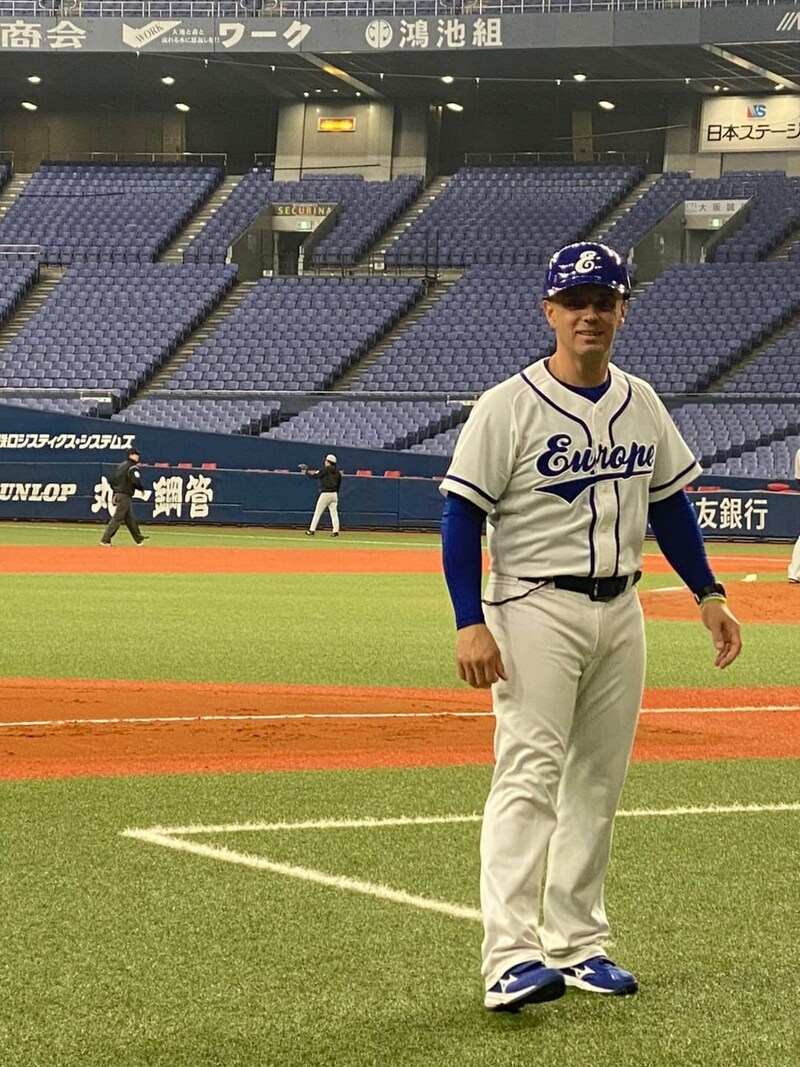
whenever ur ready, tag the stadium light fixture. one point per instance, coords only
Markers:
(182, 107)
(358, 93)
(606, 105)
(34, 79)
(29, 106)
(167, 80)
(726, 88)
(454, 107)
(306, 94)
(579, 77)
(779, 86)
(717, 88)
(448, 79)
(317, 90)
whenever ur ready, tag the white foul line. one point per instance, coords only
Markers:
(167, 837)
(150, 720)
(306, 874)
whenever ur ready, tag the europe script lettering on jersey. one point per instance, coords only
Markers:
(600, 463)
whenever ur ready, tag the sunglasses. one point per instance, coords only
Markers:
(602, 301)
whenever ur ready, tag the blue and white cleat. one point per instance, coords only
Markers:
(600, 975)
(527, 983)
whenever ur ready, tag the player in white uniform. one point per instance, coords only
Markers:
(566, 461)
(794, 566)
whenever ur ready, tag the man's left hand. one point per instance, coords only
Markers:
(725, 631)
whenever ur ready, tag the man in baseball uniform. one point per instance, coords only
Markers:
(566, 462)
(330, 480)
(794, 566)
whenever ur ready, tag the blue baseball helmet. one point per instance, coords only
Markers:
(586, 263)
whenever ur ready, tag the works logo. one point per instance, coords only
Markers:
(756, 111)
(789, 22)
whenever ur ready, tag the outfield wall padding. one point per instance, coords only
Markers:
(57, 467)
(81, 492)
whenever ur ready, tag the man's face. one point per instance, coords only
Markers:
(585, 318)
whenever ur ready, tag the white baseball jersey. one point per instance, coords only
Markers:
(565, 482)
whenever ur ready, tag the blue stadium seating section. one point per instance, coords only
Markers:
(239, 415)
(776, 369)
(366, 211)
(393, 424)
(101, 213)
(441, 444)
(16, 278)
(696, 321)
(110, 328)
(487, 327)
(774, 212)
(720, 432)
(511, 215)
(297, 333)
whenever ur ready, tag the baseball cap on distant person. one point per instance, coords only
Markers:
(586, 263)
(330, 458)
(134, 452)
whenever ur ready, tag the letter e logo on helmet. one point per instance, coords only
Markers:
(587, 262)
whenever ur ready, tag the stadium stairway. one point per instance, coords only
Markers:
(433, 295)
(753, 354)
(633, 197)
(231, 300)
(410, 215)
(173, 253)
(11, 192)
(49, 277)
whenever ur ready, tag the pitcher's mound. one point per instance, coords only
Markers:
(752, 602)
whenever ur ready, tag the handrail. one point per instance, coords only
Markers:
(155, 157)
(344, 8)
(506, 159)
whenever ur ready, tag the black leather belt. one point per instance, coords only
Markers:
(594, 588)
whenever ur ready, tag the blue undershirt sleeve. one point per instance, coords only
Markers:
(674, 524)
(462, 522)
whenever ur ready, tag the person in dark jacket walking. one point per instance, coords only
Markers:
(125, 480)
(329, 481)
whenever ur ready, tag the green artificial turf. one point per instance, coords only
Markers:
(183, 536)
(394, 630)
(116, 952)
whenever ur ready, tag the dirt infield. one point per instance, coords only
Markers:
(73, 728)
(69, 728)
(126, 558)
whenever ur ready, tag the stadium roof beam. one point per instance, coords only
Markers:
(753, 68)
(342, 75)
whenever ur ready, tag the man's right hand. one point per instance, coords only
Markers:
(478, 657)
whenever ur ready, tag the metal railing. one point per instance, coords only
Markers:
(513, 159)
(151, 157)
(342, 8)
(24, 252)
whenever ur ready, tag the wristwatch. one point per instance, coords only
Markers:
(715, 590)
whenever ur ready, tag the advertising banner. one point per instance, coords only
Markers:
(750, 124)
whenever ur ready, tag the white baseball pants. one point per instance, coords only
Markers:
(565, 723)
(326, 502)
(794, 566)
